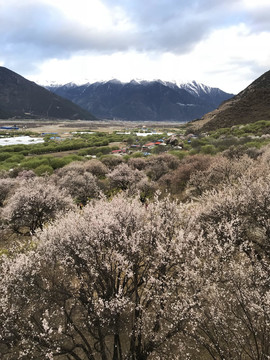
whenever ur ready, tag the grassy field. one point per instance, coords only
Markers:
(62, 127)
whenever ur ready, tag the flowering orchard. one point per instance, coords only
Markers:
(110, 282)
(134, 274)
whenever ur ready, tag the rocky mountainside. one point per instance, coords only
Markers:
(21, 98)
(250, 105)
(143, 100)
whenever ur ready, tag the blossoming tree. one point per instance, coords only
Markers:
(109, 282)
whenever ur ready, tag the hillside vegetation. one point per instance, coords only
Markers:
(147, 254)
(250, 105)
(57, 152)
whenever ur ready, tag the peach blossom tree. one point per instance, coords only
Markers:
(35, 203)
(110, 282)
(123, 177)
(81, 186)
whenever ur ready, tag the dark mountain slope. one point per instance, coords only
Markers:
(250, 105)
(144, 100)
(22, 98)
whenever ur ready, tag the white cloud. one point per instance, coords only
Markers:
(92, 14)
(222, 44)
(229, 59)
(255, 4)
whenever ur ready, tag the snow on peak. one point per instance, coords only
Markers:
(136, 81)
(48, 83)
(70, 85)
(193, 87)
(196, 88)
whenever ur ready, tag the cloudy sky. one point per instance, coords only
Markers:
(221, 43)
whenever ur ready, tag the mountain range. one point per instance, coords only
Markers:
(250, 105)
(21, 98)
(136, 100)
(143, 100)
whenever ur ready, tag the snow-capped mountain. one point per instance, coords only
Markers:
(197, 89)
(155, 100)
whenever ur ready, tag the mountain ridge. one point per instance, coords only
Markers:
(249, 105)
(156, 100)
(22, 98)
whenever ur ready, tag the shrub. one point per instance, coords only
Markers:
(222, 171)
(111, 161)
(160, 165)
(7, 186)
(75, 167)
(26, 174)
(177, 180)
(208, 149)
(81, 186)
(5, 155)
(137, 163)
(57, 163)
(96, 167)
(35, 202)
(43, 170)
(95, 276)
(34, 162)
(123, 177)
